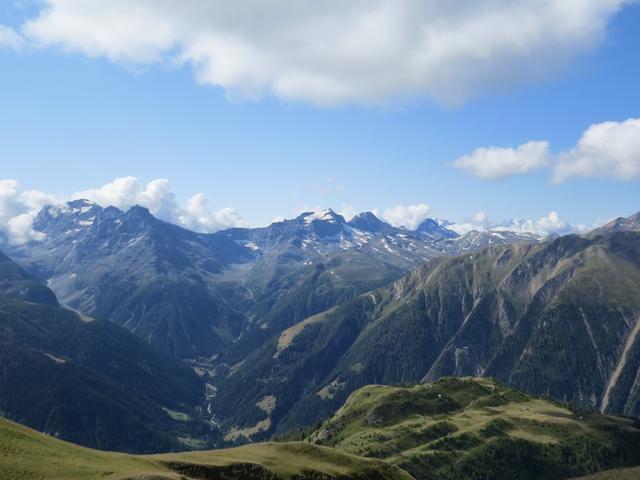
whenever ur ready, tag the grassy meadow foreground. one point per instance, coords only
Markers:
(451, 429)
(26, 454)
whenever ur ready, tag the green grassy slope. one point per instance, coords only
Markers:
(478, 429)
(26, 454)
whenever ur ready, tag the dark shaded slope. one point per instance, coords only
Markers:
(90, 381)
(16, 283)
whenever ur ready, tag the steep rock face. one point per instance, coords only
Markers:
(559, 318)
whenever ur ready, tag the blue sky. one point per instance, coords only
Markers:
(74, 120)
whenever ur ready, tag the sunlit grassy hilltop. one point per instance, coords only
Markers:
(478, 429)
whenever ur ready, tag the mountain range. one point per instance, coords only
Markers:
(267, 330)
(560, 318)
(195, 295)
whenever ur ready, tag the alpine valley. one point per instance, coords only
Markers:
(354, 349)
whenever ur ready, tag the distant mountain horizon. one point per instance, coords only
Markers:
(281, 323)
(358, 220)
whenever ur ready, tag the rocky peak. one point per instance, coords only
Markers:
(368, 222)
(436, 229)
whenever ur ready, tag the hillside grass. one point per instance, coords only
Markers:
(29, 455)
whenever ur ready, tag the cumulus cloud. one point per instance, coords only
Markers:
(196, 216)
(479, 217)
(19, 208)
(331, 51)
(17, 211)
(409, 216)
(9, 38)
(549, 224)
(348, 211)
(494, 163)
(608, 149)
(158, 197)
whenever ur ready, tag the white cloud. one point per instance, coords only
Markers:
(122, 193)
(348, 211)
(549, 224)
(18, 208)
(478, 221)
(608, 149)
(479, 217)
(157, 196)
(605, 150)
(20, 229)
(410, 216)
(494, 163)
(331, 51)
(196, 216)
(9, 38)
(17, 211)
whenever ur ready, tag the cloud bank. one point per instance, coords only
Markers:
(608, 149)
(19, 208)
(331, 51)
(605, 150)
(410, 216)
(494, 163)
(544, 226)
(157, 196)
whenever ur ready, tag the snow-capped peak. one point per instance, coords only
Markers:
(326, 216)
